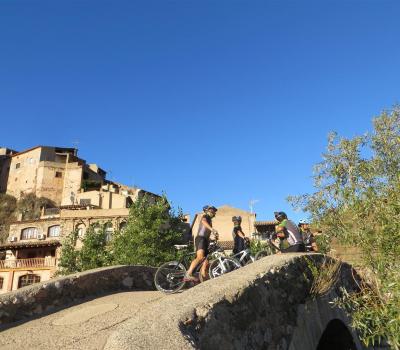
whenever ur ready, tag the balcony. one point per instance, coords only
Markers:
(49, 262)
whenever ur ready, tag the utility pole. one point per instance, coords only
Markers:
(252, 224)
(251, 204)
(76, 144)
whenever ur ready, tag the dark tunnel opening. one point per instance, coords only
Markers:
(336, 336)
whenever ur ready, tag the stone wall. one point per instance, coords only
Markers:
(266, 305)
(63, 291)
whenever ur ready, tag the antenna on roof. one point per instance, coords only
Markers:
(75, 143)
(251, 204)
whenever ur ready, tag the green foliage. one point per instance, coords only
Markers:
(152, 230)
(323, 243)
(357, 200)
(256, 246)
(90, 185)
(69, 259)
(8, 206)
(95, 251)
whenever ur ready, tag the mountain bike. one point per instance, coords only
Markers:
(169, 277)
(244, 257)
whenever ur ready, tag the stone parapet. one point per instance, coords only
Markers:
(60, 292)
(265, 305)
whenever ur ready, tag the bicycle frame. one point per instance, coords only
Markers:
(242, 255)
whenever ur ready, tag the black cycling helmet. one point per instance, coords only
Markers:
(208, 207)
(237, 218)
(280, 215)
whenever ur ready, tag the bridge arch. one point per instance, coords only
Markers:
(336, 336)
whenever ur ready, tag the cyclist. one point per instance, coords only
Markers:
(308, 236)
(238, 236)
(287, 229)
(202, 241)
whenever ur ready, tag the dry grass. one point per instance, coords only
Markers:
(325, 275)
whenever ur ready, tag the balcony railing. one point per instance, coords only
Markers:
(27, 263)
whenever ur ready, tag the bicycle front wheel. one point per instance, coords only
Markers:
(219, 267)
(169, 277)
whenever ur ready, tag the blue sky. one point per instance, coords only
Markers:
(213, 102)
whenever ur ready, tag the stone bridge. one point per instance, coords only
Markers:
(266, 305)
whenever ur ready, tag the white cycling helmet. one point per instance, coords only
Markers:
(303, 222)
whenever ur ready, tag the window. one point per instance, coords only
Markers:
(54, 231)
(129, 202)
(17, 166)
(84, 201)
(58, 174)
(29, 233)
(96, 227)
(122, 226)
(27, 280)
(109, 231)
(1, 282)
(81, 228)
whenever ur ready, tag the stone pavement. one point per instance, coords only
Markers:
(85, 326)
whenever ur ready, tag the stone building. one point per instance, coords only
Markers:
(52, 172)
(82, 196)
(5, 163)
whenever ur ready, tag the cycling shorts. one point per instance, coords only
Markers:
(201, 243)
(295, 248)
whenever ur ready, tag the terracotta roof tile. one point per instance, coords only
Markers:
(29, 244)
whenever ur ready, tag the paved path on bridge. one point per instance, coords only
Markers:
(85, 326)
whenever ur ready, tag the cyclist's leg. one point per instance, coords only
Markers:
(200, 255)
(204, 269)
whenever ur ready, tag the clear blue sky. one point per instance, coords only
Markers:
(210, 101)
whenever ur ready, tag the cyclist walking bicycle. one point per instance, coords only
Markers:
(202, 242)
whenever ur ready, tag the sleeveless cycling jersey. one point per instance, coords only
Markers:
(203, 231)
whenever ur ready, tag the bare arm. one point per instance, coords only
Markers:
(206, 225)
(241, 234)
(280, 232)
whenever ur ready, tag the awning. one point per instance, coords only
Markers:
(30, 244)
(266, 223)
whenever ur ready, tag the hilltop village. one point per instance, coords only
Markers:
(78, 194)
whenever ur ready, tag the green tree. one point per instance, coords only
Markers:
(69, 260)
(152, 230)
(95, 251)
(357, 201)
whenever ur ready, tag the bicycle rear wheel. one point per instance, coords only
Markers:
(169, 277)
(219, 267)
